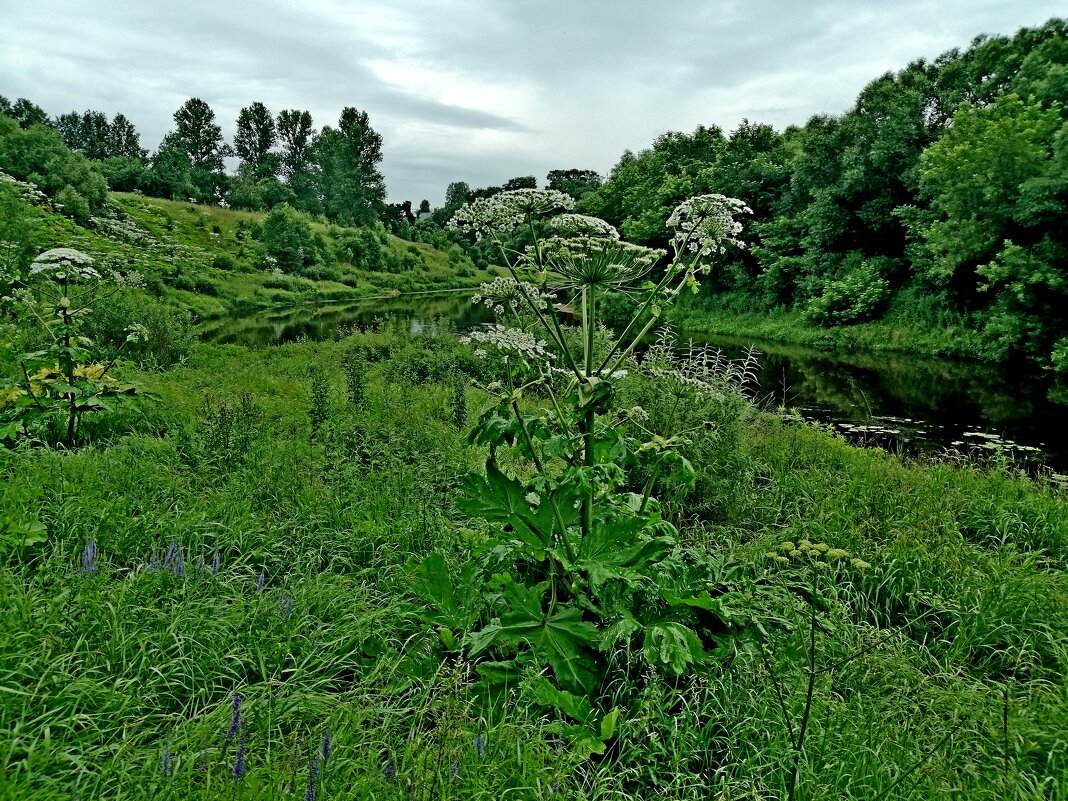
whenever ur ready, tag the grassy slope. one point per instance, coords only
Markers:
(962, 619)
(195, 257)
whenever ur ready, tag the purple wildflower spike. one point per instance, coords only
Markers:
(235, 717)
(328, 746)
(165, 762)
(239, 761)
(391, 770)
(215, 564)
(313, 779)
(480, 744)
(89, 558)
(260, 580)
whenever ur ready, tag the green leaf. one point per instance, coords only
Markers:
(608, 724)
(504, 500)
(673, 647)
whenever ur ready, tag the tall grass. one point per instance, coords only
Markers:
(941, 669)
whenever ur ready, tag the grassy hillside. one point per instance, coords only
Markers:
(208, 259)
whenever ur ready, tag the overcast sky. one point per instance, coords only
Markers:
(482, 90)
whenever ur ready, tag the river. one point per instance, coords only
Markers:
(899, 402)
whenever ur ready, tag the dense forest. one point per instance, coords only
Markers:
(938, 199)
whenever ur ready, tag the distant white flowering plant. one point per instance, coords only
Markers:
(62, 382)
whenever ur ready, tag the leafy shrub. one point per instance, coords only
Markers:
(166, 337)
(855, 297)
(361, 247)
(288, 240)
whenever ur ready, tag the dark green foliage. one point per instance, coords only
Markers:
(319, 399)
(38, 155)
(944, 182)
(288, 240)
(349, 181)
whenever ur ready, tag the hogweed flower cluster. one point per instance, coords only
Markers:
(706, 225)
(504, 293)
(498, 214)
(509, 340)
(582, 225)
(577, 263)
(818, 554)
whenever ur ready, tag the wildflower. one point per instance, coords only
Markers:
(455, 770)
(505, 293)
(64, 264)
(859, 564)
(580, 262)
(215, 564)
(706, 224)
(390, 772)
(313, 779)
(328, 744)
(165, 762)
(235, 717)
(89, 558)
(515, 340)
(479, 744)
(501, 213)
(260, 580)
(837, 553)
(582, 225)
(239, 760)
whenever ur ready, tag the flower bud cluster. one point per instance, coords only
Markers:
(819, 554)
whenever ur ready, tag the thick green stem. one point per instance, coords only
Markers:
(647, 490)
(541, 469)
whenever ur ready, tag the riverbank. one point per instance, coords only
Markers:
(790, 327)
(253, 533)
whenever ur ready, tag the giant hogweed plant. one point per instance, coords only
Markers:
(65, 380)
(581, 572)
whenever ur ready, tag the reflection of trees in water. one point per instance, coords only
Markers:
(272, 326)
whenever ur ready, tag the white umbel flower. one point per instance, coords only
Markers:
(706, 224)
(497, 215)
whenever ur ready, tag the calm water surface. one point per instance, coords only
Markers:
(903, 403)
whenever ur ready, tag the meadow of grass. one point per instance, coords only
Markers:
(251, 534)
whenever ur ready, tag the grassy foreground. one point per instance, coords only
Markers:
(254, 530)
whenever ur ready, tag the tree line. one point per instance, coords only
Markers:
(283, 159)
(940, 199)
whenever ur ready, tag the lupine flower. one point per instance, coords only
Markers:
(215, 564)
(200, 564)
(172, 552)
(165, 763)
(479, 744)
(455, 770)
(235, 717)
(328, 744)
(313, 779)
(89, 558)
(390, 771)
(239, 761)
(260, 580)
